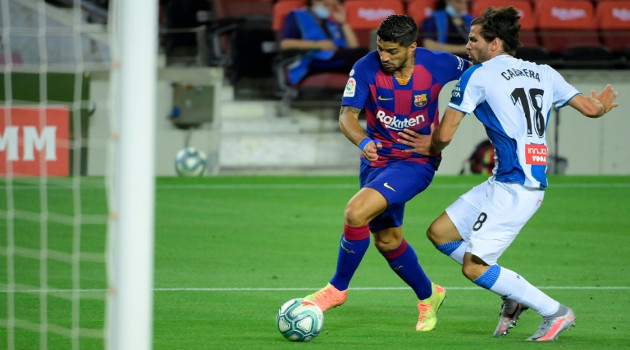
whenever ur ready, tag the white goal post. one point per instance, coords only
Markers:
(133, 91)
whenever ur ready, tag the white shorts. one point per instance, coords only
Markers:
(490, 216)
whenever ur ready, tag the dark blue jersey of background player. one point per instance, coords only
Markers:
(391, 105)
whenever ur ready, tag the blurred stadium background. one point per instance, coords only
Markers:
(220, 85)
(220, 89)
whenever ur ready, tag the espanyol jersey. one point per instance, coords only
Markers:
(391, 107)
(513, 99)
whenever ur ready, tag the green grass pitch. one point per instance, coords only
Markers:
(230, 250)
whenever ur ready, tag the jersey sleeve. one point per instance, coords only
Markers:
(469, 92)
(357, 88)
(563, 92)
(448, 66)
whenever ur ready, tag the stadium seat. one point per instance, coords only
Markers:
(183, 33)
(419, 10)
(537, 54)
(236, 36)
(528, 34)
(566, 23)
(613, 21)
(240, 8)
(280, 11)
(316, 89)
(591, 57)
(364, 16)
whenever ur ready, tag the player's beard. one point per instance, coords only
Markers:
(395, 68)
(482, 56)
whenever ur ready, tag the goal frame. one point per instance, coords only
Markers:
(131, 248)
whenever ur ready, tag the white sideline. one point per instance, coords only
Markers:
(354, 186)
(316, 186)
(262, 289)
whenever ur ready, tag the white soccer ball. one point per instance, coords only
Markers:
(300, 320)
(190, 162)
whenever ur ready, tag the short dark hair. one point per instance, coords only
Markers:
(500, 23)
(400, 29)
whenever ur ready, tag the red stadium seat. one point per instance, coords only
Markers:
(566, 23)
(237, 8)
(318, 89)
(280, 11)
(419, 10)
(528, 35)
(368, 14)
(613, 21)
(364, 16)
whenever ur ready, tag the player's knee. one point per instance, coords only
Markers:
(386, 244)
(433, 234)
(354, 216)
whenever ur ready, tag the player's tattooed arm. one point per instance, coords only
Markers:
(349, 109)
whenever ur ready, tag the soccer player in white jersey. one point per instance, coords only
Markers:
(513, 99)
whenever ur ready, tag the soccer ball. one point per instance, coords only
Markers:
(300, 320)
(190, 162)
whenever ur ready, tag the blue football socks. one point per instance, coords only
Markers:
(404, 261)
(352, 247)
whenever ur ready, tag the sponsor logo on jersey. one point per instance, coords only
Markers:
(351, 87)
(420, 100)
(394, 123)
(381, 98)
(536, 154)
(456, 94)
(460, 64)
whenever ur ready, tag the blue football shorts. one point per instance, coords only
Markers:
(398, 182)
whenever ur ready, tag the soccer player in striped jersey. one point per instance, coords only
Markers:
(512, 98)
(397, 86)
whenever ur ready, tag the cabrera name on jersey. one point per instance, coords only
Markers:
(513, 99)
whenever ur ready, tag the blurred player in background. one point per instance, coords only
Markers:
(321, 31)
(513, 99)
(447, 28)
(398, 86)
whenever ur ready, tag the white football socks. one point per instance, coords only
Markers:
(517, 288)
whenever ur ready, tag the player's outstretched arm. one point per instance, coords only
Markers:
(596, 105)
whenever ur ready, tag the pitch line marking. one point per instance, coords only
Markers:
(262, 289)
(310, 186)
(354, 186)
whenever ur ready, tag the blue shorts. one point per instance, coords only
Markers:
(398, 182)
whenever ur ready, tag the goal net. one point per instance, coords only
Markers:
(76, 174)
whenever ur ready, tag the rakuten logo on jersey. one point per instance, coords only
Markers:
(392, 122)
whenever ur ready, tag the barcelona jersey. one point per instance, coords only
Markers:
(391, 107)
